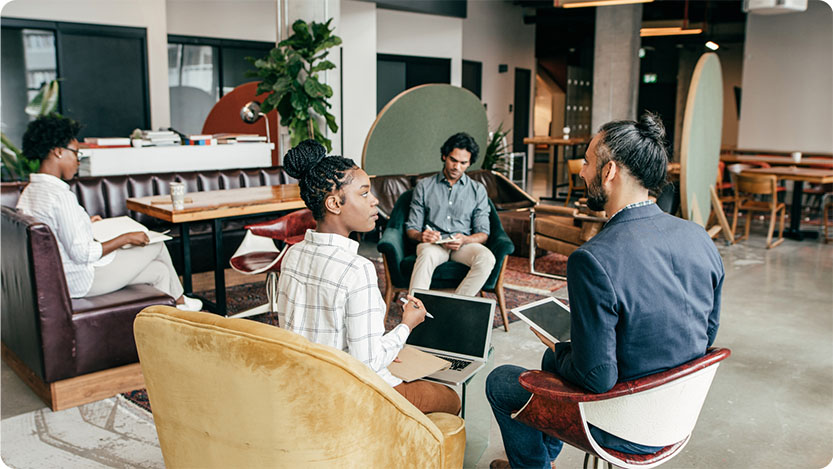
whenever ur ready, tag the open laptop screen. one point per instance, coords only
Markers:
(460, 325)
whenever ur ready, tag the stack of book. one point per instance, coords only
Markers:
(227, 138)
(200, 140)
(105, 142)
(160, 138)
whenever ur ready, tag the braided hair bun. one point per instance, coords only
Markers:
(299, 160)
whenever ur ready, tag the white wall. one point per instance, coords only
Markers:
(252, 20)
(787, 94)
(149, 14)
(357, 28)
(494, 33)
(404, 33)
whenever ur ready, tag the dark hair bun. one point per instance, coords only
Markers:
(300, 160)
(650, 126)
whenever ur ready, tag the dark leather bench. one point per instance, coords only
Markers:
(107, 196)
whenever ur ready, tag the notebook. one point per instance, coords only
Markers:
(550, 317)
(460, 332)
(109, 228)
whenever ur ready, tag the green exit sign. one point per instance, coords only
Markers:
(649, 78)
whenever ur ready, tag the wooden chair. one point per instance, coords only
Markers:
(747, 188)
(655, 410)
(573, 168)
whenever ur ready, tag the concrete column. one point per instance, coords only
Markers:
(616, 63)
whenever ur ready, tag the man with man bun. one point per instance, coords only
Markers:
(644, 292)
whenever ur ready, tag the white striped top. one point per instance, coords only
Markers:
(49, 200)
(329, 294)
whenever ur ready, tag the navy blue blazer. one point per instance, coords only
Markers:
(644, 297)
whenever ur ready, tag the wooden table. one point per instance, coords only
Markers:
(799, 176)
(552, 143)
(217, 206)
(776, 160)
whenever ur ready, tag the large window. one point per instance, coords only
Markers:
(109, 97)
(202, 70)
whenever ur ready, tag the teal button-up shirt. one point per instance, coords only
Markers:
(461, 208)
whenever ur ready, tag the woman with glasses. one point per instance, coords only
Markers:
(91, 268)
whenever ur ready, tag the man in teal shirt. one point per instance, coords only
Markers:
(449, 218)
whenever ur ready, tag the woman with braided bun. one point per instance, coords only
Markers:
(328, 293)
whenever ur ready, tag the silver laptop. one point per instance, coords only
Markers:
(460, 332)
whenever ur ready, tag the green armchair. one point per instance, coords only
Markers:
(400, 255)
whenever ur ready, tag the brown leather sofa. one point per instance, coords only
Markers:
(72, 351)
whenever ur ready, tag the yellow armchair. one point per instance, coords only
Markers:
(237, 393)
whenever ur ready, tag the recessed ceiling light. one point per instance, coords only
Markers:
(712, 45)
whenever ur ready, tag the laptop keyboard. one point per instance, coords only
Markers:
(456, 364)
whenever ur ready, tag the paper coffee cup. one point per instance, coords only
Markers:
(178, 195)
(796, 156)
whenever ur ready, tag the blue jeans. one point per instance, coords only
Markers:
(524, 445)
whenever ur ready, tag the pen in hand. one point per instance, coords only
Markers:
(405, 301)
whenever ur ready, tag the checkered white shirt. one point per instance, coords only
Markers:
(329, 294)
(49, 200)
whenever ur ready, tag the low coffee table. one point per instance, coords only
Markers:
(217, 206)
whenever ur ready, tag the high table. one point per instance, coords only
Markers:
(552, 143)
(217, 206)
(799, 176)
(777, 160)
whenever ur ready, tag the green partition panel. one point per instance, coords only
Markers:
(409, 131)
(700, 149)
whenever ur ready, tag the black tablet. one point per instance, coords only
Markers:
(550, 317)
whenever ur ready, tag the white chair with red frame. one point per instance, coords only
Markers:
(258, 254)
(655, 410)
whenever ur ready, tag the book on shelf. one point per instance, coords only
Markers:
(238, 137)
(203, 142)
(109, 228)
(107, 141)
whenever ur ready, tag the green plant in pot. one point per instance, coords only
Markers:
(496, 148)
(15, 165)
(289, 74)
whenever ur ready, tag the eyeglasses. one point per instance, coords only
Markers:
(74, 150)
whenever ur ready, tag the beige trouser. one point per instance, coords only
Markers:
(150, 264)
(478, 257)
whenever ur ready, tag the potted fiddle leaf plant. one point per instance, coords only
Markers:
(290, 76)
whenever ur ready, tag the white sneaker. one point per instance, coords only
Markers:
(190, 304)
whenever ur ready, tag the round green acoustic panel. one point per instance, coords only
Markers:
(700, 149)
(409, 131)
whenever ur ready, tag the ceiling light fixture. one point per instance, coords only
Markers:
(712, 45)
(675, 31)
(594, 3)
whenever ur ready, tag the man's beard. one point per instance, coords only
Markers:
(596, 196)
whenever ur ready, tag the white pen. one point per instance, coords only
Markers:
(405, 301)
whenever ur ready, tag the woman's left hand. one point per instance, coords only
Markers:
(95, 218)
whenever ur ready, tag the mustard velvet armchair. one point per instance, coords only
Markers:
(236, 393)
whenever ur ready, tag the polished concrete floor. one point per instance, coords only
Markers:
(771, 404)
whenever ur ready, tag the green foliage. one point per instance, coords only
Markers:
(289, 74)
(496, 148)
(15, 165)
